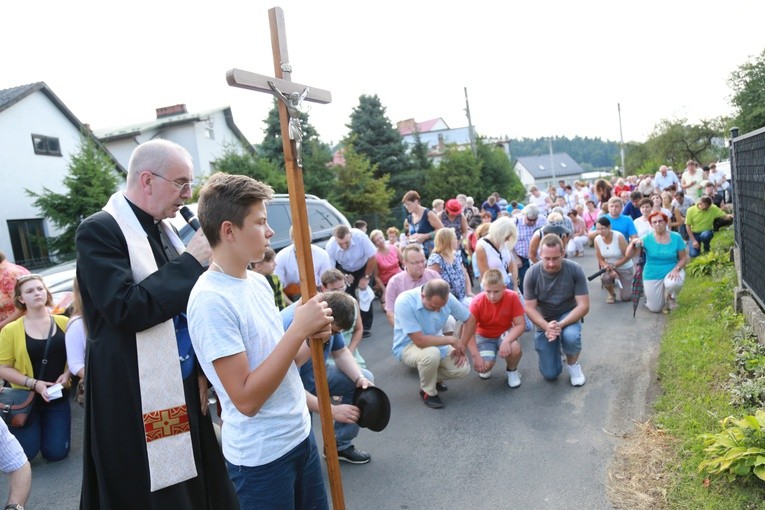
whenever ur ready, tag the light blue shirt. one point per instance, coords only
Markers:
(411, 316)
(662, 182)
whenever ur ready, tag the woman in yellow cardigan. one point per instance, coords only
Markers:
(22, 345)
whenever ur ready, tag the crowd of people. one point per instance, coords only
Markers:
(459, 284)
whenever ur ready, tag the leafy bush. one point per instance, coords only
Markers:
(709, 263)
(739, 450)
(748, 382)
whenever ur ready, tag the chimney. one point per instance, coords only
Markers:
(168, 111)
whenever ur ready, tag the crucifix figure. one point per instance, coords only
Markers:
(290, 95)
(292, 102)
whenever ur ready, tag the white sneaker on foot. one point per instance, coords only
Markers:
(484, 375)
(577, 376)
(513, 379)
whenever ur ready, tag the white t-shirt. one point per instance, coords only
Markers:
(227, 316)
(287, 266)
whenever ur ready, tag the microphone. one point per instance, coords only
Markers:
(190, 218)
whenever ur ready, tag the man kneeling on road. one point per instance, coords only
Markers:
(557, 299)
(343, 377)
(420, 315)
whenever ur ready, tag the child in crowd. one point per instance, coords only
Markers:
(266, 267)
(365, 295)
(496, 324)
(244, 351)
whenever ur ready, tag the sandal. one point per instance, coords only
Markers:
(610, 299)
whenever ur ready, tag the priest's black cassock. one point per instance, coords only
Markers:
(115, 466)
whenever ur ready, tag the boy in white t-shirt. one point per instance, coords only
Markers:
(244, 351)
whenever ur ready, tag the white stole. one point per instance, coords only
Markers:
(163, 404)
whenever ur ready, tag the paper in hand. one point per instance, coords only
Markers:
(55, 391)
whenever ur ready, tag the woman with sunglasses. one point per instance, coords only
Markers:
(665, 258)
(22, 350)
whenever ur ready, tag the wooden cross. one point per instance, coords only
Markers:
(301, 233)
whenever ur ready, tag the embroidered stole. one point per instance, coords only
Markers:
(163, 404)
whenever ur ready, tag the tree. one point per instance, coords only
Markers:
(497, 173)
(375, 138)
(673, 142)
(358, 191)
(459, 172)
(414, 178)
(748, 84)
(234, 161)
(91, 180)
(317, 176)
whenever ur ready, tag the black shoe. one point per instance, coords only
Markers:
(441, 386)
(433, 402)
(366, 334)
(353, 456)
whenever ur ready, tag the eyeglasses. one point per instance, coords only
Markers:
(657, 222)
(182, 187)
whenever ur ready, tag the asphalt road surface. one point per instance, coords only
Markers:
(544, 445)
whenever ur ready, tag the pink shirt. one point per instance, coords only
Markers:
(493, 319)
(8, 274)
(388, 264)
(402, 282)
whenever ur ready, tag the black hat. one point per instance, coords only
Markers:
(374, 408)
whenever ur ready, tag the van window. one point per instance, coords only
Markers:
(279, 221)
(320, 217)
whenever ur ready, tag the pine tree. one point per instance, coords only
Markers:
(317, 176)
(91, 180)
(376, 138)
(357, 191)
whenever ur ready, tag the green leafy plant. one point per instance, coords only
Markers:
(709, 263)
(739, 450)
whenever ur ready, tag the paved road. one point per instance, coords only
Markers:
(541, 446)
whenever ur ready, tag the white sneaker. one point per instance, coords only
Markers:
(577, 376)
(513, 379)
(484, 375)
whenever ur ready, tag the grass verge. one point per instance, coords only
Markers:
(697, 356)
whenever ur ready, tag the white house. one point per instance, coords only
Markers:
(545, 171)
(205, 135)
(436, 134)
(38, 135)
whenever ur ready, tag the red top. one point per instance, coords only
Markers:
(493, 319)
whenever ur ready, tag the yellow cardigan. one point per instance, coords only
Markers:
(13, 346)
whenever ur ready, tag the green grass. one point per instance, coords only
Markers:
(696, 359)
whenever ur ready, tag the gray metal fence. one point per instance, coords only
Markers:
(748, 176)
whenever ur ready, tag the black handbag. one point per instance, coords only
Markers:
(16, 404)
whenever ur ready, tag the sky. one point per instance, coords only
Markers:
(531, 69)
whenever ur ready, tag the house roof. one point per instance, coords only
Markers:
(113, 134)
(13, 95)
(539, 166)
(408, 127)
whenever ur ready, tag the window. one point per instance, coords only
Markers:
(29, 243)
(46, 145)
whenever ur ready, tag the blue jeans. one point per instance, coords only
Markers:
(341, 384)
(570, 341)
(48, 430)
(293, 481)
(703, 238)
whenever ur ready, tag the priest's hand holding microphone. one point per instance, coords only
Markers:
(199, 246)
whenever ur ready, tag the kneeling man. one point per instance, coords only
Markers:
(420, 315)
(557, 299)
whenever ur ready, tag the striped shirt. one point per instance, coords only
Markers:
(11, 454)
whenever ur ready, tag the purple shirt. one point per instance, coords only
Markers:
(402, 282)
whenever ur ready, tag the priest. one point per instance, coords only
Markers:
(149, 440)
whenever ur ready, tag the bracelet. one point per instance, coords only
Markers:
(26, 382)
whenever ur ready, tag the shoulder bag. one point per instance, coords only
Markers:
(16, 404)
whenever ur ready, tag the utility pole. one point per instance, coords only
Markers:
(621, 136)
(471, 134)
(552, 164)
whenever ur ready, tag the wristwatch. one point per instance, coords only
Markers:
(14, 506)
